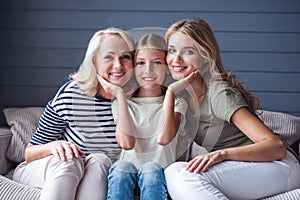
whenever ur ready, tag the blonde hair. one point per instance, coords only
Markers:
(200, 32)
(151, 41)
(85, 77)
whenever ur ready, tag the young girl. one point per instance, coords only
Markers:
(246, 160)
(147, 125)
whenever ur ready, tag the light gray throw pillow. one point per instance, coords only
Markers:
(23, 123)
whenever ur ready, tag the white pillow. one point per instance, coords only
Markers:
(23, 123)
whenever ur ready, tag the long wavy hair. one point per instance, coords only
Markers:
(200, 32)
(86, 76)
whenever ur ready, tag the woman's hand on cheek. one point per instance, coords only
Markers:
(183, 83)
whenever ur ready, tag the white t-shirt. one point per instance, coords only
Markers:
(145, 113)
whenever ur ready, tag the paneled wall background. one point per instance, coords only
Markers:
(43, 41)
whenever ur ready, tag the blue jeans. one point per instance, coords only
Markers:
(124, 179)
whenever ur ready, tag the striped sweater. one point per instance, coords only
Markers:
(86, 121)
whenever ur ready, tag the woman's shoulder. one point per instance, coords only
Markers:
(217, 84)
(67, 89)
(71, 85)
(217, 87)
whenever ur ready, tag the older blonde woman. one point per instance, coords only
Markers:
(74, 145)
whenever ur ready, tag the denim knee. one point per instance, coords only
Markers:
(152, 182)
(123, 166)
(121, 180)
(122, 172)
(151, 173)
(150, 167)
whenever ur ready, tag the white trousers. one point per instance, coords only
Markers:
(76, 178)
(234, 180)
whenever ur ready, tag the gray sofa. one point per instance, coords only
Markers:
(23, 121)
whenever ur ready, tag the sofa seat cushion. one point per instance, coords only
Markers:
(12, 190)
(290, 195)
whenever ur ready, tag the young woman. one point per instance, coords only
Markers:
(147, 125)
(74, 145)
(245, 160)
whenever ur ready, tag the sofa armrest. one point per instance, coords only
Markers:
(5, 137)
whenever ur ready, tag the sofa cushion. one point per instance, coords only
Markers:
(290, 195)
(287, 126)
(23, 122)
(12, 190)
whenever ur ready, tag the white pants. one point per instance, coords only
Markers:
(70, 179)
(234, 180)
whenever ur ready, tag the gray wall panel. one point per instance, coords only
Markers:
(154, 5)
(77, 19)
(44, 41)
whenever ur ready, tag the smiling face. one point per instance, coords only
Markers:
(150, 71)
(114, 61)
(183, 57)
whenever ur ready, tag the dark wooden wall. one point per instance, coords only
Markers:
(43, 41)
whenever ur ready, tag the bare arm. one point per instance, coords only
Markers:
(266, 147)
(125, 131)
(60, 148)
(169, 121)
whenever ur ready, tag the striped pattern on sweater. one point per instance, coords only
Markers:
(73, 116)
